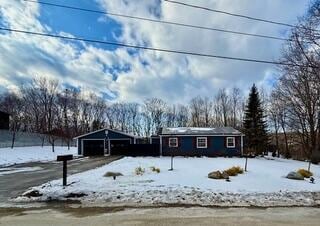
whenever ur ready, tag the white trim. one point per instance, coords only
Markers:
(206, 139)
(177, 144)
(234, 142)
(115, 131)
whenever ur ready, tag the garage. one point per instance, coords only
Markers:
(105, 142)
(93, 147)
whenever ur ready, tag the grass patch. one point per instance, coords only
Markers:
(139, 171)
(305, 173)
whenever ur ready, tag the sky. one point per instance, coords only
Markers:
(121, 74)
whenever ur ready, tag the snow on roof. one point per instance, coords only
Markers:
(200, 130)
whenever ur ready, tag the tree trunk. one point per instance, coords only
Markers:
(13, 139)
(42, 141)
(68, 143)
(52, 144)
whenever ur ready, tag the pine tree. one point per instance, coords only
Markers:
(255, 125)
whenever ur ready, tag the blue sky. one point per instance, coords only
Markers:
(120, 74)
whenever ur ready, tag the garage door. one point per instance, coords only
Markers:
(93, 147)
(119, 147)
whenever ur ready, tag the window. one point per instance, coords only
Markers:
(173, 142)
(202, 142)
(231, 142)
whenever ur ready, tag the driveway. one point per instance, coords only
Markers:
(16, 179)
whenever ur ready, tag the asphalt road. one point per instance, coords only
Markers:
(164, 216)
(14, 182)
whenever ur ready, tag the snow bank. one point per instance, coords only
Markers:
(263, 185)
(18, 155)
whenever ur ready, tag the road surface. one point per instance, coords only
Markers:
(15, 183)
(163, 216)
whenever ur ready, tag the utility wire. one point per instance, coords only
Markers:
(159, 21)
(234, 14)
(150, 48)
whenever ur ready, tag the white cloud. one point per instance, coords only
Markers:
(173, 77)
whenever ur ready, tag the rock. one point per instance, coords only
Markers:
(75, 195)
(225, 175)
(112, 174)
(295, 176)
(215, 175)
(33, 193)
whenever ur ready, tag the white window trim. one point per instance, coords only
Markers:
(173, 146)
(206, 139)
(234, 142)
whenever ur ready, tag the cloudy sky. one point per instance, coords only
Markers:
(122, 74)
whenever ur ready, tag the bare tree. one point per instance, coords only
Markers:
(13, 104)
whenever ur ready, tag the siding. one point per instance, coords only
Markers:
(187, 147)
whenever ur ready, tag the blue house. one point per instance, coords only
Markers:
(191, 141)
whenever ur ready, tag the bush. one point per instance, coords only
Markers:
(305, 173)
(139, 170)
(234, 171)
(154, 169)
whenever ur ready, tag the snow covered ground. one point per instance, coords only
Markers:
(263, 185)
(18, 155)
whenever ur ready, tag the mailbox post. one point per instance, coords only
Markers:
(64, 159)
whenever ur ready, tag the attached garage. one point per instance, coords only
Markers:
(93, 147)
(105, 142)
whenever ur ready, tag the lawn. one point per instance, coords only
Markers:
(263, 184)
(19, 155)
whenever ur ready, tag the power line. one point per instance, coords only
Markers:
(151, 48)
(234, 14)
(158, 21)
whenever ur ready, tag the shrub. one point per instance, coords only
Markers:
(139, 170)
(154, 169)
(305, 173)
(234, 171)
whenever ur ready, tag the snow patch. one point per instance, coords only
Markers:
(19, 155)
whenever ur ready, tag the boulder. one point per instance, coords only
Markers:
(112, 174)
(215, 175)
(225, 175)
(32, 193)
(295, 176)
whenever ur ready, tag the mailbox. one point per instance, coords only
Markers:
(61, 158)
(64, 159)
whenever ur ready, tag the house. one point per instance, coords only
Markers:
(4, 120)
(191, 141)
(105, 142)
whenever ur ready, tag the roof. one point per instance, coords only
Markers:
(200, 131)
(113, 130)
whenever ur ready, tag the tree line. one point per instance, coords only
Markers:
(43, 106)
(294, 104)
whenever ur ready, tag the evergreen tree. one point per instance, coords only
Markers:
(255, 125)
